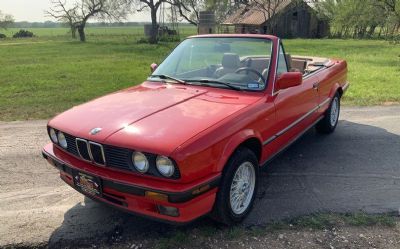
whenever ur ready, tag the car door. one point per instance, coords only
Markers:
(296, 107)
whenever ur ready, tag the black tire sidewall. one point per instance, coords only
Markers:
(330, 112)
(223, 207)
(325, 126)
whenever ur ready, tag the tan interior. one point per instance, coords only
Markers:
(305, 65)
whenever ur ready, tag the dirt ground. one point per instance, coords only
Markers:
(339, 237)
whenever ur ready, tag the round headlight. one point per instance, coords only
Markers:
(140, 162)
(165, 166)
(61, 140)
(53, 135)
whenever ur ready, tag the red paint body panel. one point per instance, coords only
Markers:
(181, 121)
(198, 127)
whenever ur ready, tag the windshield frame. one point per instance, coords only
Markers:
(267, 78)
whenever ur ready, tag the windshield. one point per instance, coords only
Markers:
(237, 63)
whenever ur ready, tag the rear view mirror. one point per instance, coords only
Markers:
(153, 67)
(289, 79)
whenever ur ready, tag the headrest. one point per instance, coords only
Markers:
(231, 60)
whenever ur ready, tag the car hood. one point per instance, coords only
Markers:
(153, 117)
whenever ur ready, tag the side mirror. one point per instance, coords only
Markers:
(153, 67)
(289, 79)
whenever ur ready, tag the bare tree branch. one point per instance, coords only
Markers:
(142, 8)
(82, 10)
(188, 9)
(153, 6)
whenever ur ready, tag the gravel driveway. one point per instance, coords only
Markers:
(356, 168)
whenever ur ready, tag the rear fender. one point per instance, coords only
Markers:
(335, 88)
(338, 86)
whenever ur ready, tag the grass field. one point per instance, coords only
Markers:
(45, 75)
(62, 33)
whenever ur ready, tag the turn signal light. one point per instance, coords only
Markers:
(156, 196)
(201, 189)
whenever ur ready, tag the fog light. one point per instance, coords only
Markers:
(170, 211)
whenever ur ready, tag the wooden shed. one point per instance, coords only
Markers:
(292, 19)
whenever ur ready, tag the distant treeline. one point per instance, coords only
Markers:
(362, 18)
(50, 24)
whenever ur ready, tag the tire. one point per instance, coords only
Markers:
(225, 211)
(328, 124)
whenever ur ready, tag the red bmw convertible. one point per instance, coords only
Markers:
(191, 139)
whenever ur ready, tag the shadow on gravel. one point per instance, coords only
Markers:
(95, 223)
(355, 169)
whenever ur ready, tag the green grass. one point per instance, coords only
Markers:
(45, 75)
(92, 31)
(40, 80)
(374, 66)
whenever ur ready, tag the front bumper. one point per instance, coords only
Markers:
(129, 192)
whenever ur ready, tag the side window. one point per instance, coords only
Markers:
(282, 65)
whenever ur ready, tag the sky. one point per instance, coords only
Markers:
(33, 10)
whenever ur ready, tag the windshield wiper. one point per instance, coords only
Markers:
(167, 77)
(206, 81)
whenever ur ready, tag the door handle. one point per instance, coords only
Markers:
(315, 85)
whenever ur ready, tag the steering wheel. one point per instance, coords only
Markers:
(252, 71)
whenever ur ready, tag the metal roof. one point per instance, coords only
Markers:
(253, 14)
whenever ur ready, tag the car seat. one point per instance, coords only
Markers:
(230, 63)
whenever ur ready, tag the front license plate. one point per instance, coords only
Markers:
(87, 183)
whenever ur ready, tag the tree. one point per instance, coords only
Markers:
(224, 8)
(360, 18)
(270, 7)
(189, 9)
(392, 9)
(64, 15)
(82, 10)
(153, 6)
(5, 20)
